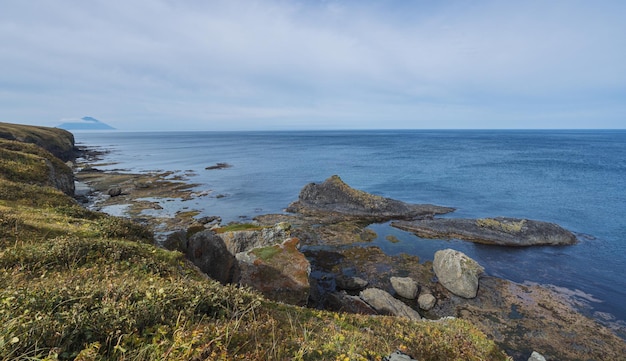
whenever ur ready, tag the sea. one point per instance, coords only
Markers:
(575, 178)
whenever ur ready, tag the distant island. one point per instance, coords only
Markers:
(85, 123)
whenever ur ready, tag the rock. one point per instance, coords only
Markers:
(336, 197)
(114, 192)
(386, 304)
(398, 356)
(241, 241)
(348, 283)
(280, 272)
(208, 251)
(343, 302)
(218, 166)
(457, 272)
(405, 287)
(536, 356)
(498, 231)
(426, 301)
(176, 241)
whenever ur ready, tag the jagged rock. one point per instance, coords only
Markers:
(536, 356)
(343, 302)
(386, 304)
(336, 197)
(241, 241)
(457, 272)
(499, 231)
(208, 251)
(280, 272)
(348, 283)
(405, 287)
(426, 301)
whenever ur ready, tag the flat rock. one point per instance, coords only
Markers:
(336, 197)
(457, 272)
(386, 304)
(496, 231)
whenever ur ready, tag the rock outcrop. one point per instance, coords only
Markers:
(497, 231)
(245, 240)
(457, 272)
(209, 253)
(333, 196)
(57, 141)
(386, 304)
(280, 272)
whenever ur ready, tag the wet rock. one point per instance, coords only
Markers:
(350, 283)
(208, 251)
(457, 272)
(280, 272)
(335, 196)
(426, 301)
(405, 287)
(498, 231)
(386, 304)
(218, 166)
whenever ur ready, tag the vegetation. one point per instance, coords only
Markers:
(503, 225)
(234, 227)
(76, 284)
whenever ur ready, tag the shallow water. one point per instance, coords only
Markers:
(573, 178)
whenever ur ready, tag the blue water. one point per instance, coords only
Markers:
(574, 178)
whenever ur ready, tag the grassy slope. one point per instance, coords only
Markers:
(75, 284)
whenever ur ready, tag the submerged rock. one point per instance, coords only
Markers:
(336, 197)
(350, 283)
(386, 304)
(457, 272)
(497, 231)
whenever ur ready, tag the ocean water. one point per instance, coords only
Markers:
(576, 179)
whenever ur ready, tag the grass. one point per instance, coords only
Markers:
(235, 227)
(81, 285)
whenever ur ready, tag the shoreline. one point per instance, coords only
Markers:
(562, 306)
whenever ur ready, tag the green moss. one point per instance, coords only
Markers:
(508, 226)
(234, 227)
(266, 253)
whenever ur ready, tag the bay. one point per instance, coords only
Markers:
(575, 178)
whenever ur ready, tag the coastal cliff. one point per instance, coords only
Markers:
(84, 285)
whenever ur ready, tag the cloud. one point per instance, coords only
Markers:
(274, 63)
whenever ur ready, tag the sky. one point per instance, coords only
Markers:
(314, 64)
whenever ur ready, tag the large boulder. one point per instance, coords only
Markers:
(497, 231)
(457, 272)
(208, 251)
(405, 287)
(245, 240)
(386, 304)
(343, 302)
(280, 272)
(333, 196)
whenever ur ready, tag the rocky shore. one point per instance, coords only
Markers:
(313, 256)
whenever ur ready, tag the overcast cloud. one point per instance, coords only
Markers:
(289, 64)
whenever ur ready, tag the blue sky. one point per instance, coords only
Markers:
(307, 64)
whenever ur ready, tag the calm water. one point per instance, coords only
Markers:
(574, 178)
